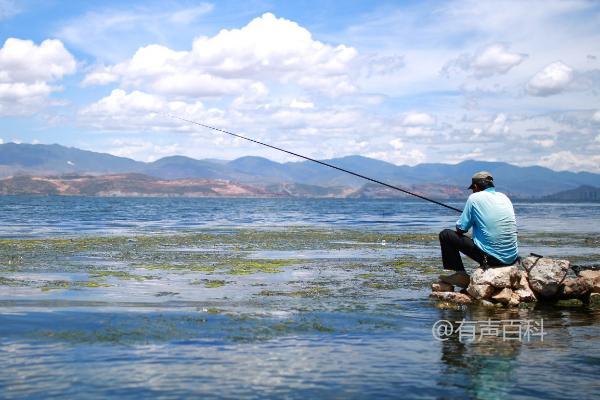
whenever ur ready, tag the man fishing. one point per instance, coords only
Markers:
(494, 241)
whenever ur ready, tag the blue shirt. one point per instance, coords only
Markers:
(492, 218)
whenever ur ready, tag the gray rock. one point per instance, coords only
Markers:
(514, 300)
(503, 296)
(574, 288)
(523, 290)
(546, 274)
(453, 297)
(442, 287)
(501, 277)
(480, 291)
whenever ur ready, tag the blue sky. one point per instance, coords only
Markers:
(406, 82)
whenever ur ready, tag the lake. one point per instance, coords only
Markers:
(270, 298)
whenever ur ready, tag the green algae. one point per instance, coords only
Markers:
(216, 283)
(311, 292)
(367, 276)
(124, 275)
(248, 267)
(380, 285)
(68, 285)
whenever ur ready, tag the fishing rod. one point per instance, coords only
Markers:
(317, 161)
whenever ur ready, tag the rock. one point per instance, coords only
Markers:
(442, 287)
(514, 300)
(594, 299)
(545, 275)
(574, 288)
(500, 277)
(480, 291)
(486, 303)
(525, 295)
(590, 274)
(592, 279)
(453, 297)
(503, 296)
(522, 283)
(523, 290)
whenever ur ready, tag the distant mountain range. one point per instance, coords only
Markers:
(302, 178)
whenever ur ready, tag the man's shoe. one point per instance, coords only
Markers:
(460, 279)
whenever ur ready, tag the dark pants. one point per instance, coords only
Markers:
(453, 244)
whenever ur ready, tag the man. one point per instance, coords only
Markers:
(494, 241)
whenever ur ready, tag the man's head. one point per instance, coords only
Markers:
(481, 181)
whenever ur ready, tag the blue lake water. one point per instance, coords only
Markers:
(363, 331)
(52, 216)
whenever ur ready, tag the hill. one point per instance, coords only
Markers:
(443, 179)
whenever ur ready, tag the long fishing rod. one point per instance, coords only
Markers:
(317, 161)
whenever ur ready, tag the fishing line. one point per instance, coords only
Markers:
(317, 161)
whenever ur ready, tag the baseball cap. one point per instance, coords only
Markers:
(480, 176)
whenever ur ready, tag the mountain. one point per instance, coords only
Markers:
(582, 193)
(444, 180)
(40, 159)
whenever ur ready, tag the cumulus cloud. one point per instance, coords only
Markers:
(569, 161)
(485, 62)
(27, 72)
(417, 119)
(144, 150)
(498, 125)
(268, 48)
(140, 112)
(400, 157)
(553, 79)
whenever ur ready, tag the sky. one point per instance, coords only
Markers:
(406, 82)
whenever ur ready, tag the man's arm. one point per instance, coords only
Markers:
(465, 222)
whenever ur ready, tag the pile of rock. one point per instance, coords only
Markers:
(540, 278)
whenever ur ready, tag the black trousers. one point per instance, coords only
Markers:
(453, 244)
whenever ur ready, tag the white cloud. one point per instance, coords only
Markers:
(545, 143)
(568, 161)
(417, 119)
(143, 150)
(303, 105)
(141, 112)
(488, 61)
(596, 116)
(268, 48)
(498, 125)
(27, 72)
(404, 157)
(397, 144)
(553, 79)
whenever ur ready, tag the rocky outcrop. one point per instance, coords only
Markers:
(503, 277)
(442, 287)
(545, 275)
(453, 297)
(592, 278)
(542, 279)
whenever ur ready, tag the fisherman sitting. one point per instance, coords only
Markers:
(494, 241)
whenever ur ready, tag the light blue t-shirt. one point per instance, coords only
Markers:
(492, 217)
